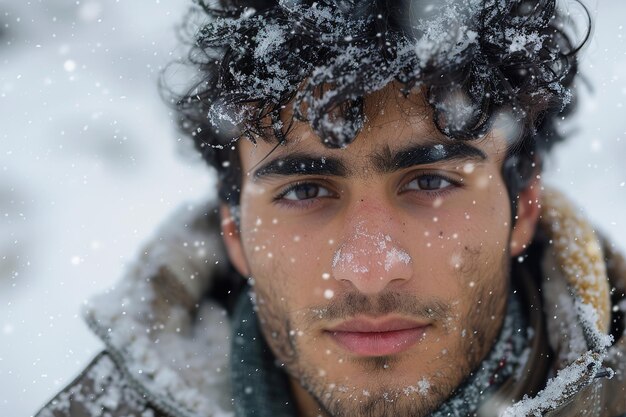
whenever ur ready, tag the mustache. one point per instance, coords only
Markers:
(348, 305)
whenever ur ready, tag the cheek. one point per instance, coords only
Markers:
(465, 249)
(261, 240)
(299, 249)
(486, 223)
(287, 266)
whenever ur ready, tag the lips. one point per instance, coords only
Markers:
(377, 338)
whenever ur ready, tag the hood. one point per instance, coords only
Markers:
(575, 291)
(172, 344)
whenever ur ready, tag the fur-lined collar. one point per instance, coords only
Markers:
(173, 344)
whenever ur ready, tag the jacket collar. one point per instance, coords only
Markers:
(173, 344)
(576, 306)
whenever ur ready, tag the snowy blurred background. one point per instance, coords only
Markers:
(89, 165)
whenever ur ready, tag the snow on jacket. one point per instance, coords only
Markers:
(167, 343)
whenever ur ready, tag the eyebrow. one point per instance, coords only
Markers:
(302, 164)
(388, 161)
(385, 161)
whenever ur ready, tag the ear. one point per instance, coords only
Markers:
(528, 208)
(232, 241)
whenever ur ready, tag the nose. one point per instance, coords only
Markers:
(370, 259)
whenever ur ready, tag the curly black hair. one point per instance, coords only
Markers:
(320, 58)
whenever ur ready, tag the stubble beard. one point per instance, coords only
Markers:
(337, 399)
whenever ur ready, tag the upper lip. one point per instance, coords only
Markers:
(363, 325)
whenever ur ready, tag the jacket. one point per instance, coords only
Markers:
(167, 335)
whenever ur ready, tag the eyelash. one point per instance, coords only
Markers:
(432, 193)
(308, 202)
(301, 204)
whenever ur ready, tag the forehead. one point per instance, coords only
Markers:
(393, 123)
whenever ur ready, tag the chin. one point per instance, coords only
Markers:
(408, 384)
(376, 396)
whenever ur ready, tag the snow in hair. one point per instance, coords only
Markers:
(471, 58)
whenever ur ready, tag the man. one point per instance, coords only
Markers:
(389, 249)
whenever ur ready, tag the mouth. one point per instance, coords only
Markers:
(364, 337)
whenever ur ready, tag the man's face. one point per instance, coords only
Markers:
(380, 270)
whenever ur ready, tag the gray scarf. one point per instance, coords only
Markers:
(261, 388)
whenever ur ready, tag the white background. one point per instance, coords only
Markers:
(90, 163)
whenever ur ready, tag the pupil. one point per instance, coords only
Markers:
(306, 191)
(429, 183)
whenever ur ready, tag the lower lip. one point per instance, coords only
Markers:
(379, 343)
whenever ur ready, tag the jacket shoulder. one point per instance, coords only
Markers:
(101, 389)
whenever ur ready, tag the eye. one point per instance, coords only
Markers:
(304, 191)
(428, 182)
